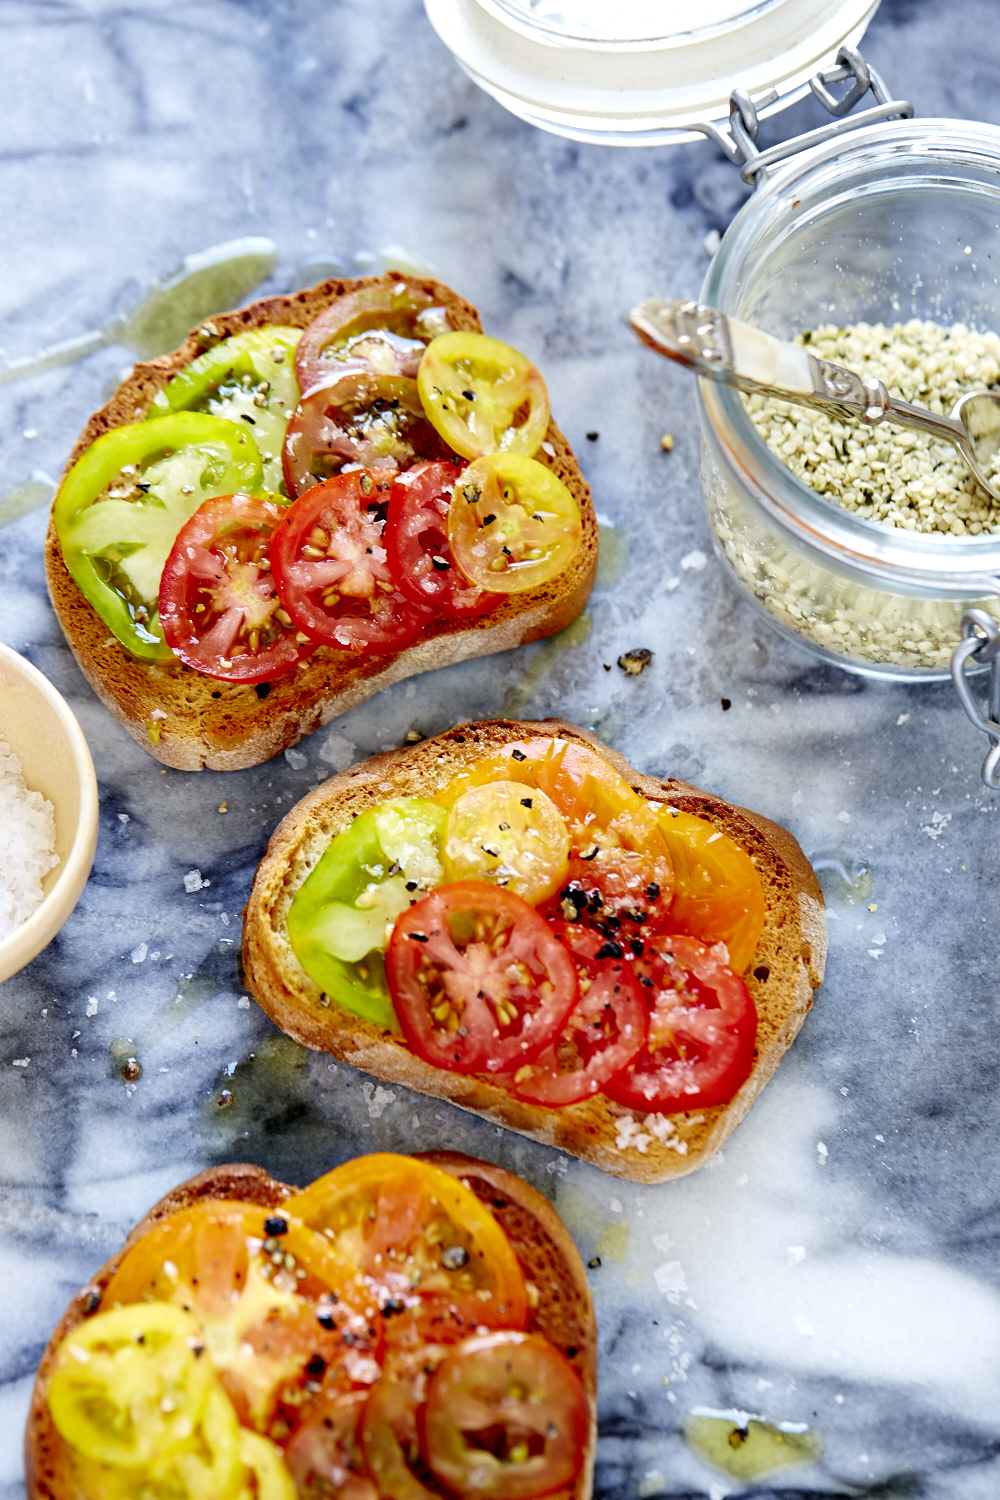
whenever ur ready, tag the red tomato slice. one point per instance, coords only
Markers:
(383, 329)
(357, 418)
(702, 1030)
(325, 1454)
(479, 982)
(218, 605)
(416, 540)
(331, 571)
(604, 1032)
(506, 1417)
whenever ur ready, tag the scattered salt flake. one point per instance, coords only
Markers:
(879, 940)
(112, 997)
(796, 1254)
(903, 719)
(616, 1206)
(558, 1165)
(875, 952)
(378, 1099)
(696, 561)
(662, 1242)
(880, 1138)
(124, 818)
(158, 713)
(628, 1134)
(937, 825)
(193, 881)
(231, 1069)
(243, 1003)
(821, 1153)
(548, 448)
(710, 244)
(30, 432)
(297, 759)
(843, 817)
(671, 584)
(138, 955)
(670, 1280)
(338, 751)
(845, 1092)
(21, 1062)
(92, 1005)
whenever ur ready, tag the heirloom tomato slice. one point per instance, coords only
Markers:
(381, 329)
(390, 1433)
(483, 396)
(360, 418)
(605, 1030)
(341, 916)
(423, 1240)
(503, 833)
(720, 898)
(512, 524)
(273, 1298)
(479, 982)
(702, 1030)
(128, 1386)
(608, 822)
(120, 507)
(325, 1454)
(507, 1417)
(330, 568)
(249, 378)
(218, 606)
(416, 540)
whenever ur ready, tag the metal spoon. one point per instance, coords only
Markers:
(203, 284)
(722, 348)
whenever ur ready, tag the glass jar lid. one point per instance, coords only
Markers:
(642, 72)
(628, 23)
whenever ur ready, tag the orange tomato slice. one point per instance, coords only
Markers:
(270, 1303)
(719, 896)
(419, 1235)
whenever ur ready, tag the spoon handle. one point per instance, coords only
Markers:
(721, 348)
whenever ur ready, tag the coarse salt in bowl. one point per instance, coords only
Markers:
(42, 733)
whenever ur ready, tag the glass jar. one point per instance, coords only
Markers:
(643, 72)
(898, 220)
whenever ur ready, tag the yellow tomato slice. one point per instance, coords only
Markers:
(418, 1231)
(267, 1466)
(505, 833)
(719, 896)
(598, 805)
(482, 395)
(512, 524)
(128, 1386)
(206, 1466)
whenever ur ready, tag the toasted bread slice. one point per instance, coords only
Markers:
(190, 721)
(548, 1257)
(781, 977)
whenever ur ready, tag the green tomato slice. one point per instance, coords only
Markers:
(248, 379)
(118, 512)
(340, 920)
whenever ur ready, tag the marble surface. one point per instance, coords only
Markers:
(837, 1265)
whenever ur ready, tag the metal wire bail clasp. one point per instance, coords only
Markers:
(981, 643)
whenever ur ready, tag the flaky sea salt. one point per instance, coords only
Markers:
(27, 844)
